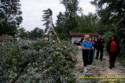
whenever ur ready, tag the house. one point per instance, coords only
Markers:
(76, 36)
(5, 37)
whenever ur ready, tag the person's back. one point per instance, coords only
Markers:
(113, 50)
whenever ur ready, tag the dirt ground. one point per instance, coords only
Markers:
(99, 72)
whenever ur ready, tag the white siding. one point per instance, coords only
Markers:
(75, 38)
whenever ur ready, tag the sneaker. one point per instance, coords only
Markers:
(85, 69)
(88, 68)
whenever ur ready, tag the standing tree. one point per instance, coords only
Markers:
(36, 33)
(67, 22)
(10, 16)
(112, 12)
(60, 28)
(22, 33)
(87, 23)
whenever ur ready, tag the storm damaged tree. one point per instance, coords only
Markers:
(48, 23)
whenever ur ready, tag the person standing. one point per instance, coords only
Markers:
(99, 47)
(113, 50)
(91, 51)
(86, 52)
(94, 44)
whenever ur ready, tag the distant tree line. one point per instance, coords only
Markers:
(33, 34)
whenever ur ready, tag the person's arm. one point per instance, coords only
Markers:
(81, 45)
(92, 45)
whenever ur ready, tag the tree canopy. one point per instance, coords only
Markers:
(111, 11)
(67, 22)
(10, 16)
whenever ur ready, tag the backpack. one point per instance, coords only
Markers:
(113, 48)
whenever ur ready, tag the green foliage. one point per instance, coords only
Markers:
(70, 21)
(33, 34)
(107, 36)
(10, 16)
(71, 6)
(36, 33)
(112, 12)
(87, 23)
(67, 22)
(91, 23)
(37, 62)
(21, 33)
(60, 28)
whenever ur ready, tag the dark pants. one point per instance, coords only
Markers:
(91, 54)
(87, 57)
(112, 59)
(99, 54)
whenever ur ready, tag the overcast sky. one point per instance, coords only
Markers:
(32, 11)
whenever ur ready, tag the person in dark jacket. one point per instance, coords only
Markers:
(99, 47)
(113, 50)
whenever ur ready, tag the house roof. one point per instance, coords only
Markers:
(78, 34)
